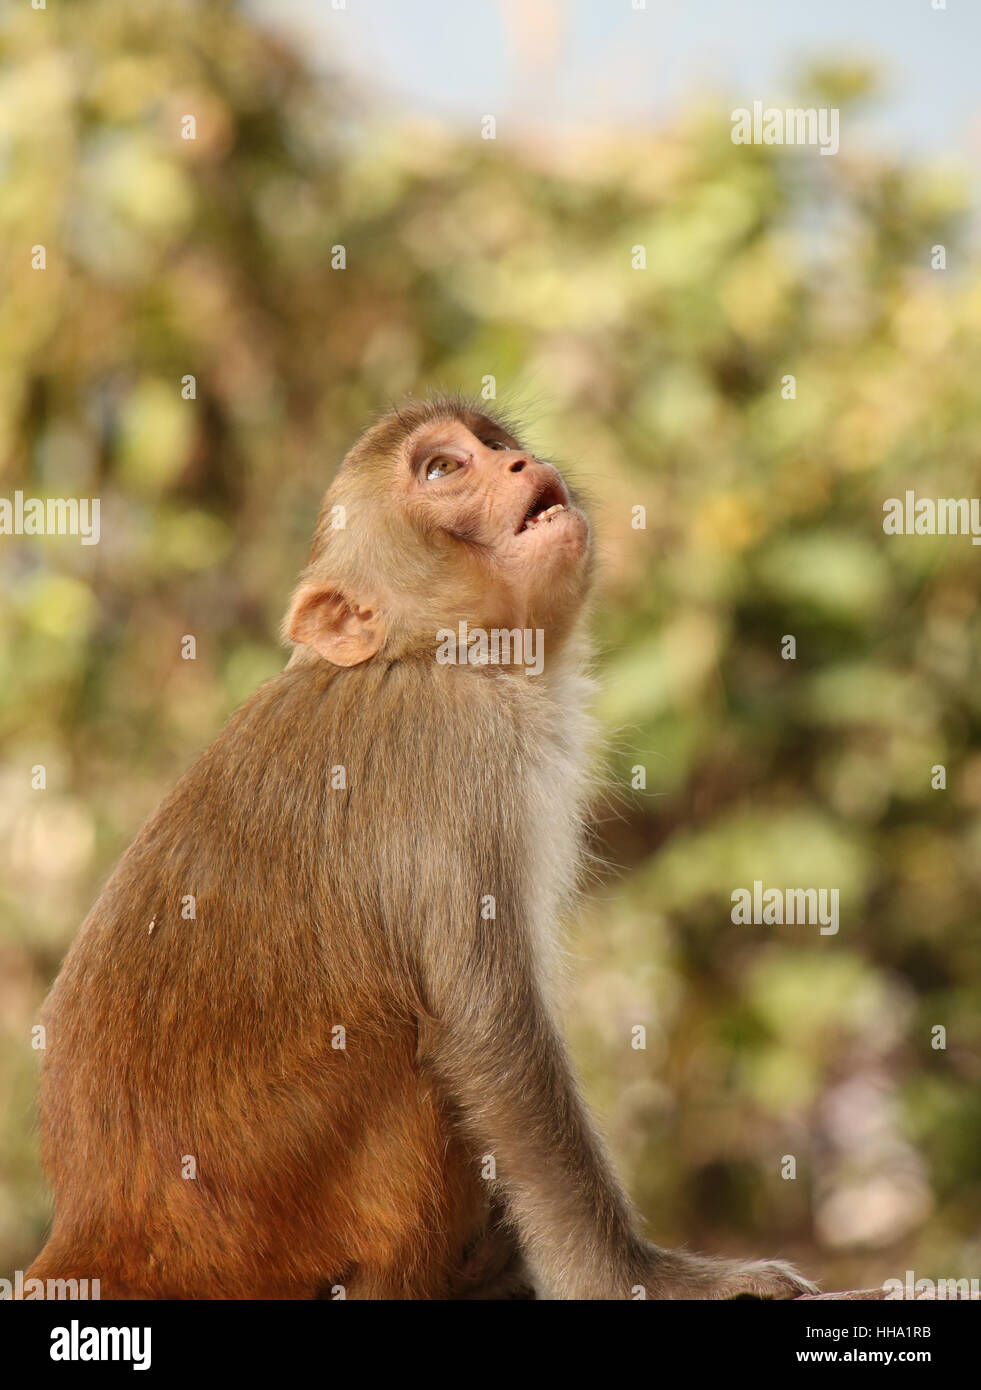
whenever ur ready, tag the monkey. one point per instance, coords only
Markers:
(341, 1074)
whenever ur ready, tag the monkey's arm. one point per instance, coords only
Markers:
(505, 1067)
(498, 1055)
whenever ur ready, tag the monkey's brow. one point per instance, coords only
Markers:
(485, 424)
(433, 435)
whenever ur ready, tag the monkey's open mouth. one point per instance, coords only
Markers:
(549, 501)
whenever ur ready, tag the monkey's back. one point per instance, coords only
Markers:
(196, 1089)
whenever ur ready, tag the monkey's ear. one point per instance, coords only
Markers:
(339, 631)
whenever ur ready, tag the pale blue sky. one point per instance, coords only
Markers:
(574, 63)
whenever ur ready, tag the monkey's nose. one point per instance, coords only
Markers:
(517, 466)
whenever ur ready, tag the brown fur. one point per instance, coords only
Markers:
(318, 906)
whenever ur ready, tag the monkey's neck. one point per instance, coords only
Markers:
(441, 762)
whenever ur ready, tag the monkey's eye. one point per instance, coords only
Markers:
(439, 466)
(495, 444)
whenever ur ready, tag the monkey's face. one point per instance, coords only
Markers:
(438, 517)
(505, 514)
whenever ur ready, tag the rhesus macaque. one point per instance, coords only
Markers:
(298, 1089)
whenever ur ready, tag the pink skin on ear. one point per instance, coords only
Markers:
(340, 631)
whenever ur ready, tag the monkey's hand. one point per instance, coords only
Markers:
(675, 1274)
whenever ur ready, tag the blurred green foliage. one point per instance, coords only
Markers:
(658, 387)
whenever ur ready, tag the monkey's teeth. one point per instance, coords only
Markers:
(547, 514)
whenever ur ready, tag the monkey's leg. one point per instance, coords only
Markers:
(420, 1208)
(58, 1261)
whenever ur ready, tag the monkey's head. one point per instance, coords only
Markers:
(439, 516)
